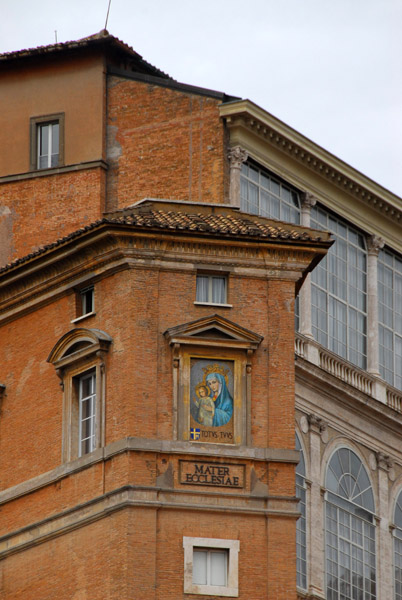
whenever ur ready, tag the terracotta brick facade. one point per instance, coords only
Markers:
(110, 524)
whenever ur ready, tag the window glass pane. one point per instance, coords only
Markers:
(211, 288)
(218, 567)
(202, 288)
(200, 567)
(87, 413)
(87, 297)
(44, 140)
(218, 290)
(280, 203)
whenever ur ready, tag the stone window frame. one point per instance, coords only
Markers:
(231, 546)
(34, 126)
(77, 353)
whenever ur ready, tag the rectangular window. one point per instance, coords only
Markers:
(47, 141)
(48, 145)
(211, 289)
(87, 301)
(211, 567)
(87, 413)
(84, 303)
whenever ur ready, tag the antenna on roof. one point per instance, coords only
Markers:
(107, 16)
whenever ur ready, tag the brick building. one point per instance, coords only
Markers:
(153, 237)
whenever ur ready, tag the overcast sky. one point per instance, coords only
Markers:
(331, 69)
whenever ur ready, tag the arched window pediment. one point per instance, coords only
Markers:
(77, 343)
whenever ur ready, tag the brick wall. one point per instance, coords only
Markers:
(163, 143)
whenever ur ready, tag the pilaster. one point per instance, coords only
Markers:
(307, 202)
(384, 543)
(237, 156)
(317, 430)
(374, 245)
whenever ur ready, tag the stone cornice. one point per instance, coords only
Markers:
(110, 247)
(246, 115)
(94, 164)
(344, 394)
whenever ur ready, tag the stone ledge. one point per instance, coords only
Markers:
(93, 164)
(139, 496)
(132, 444)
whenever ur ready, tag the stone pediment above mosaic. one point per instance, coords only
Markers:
(214, 327)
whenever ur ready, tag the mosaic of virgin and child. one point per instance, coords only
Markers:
(213, 403)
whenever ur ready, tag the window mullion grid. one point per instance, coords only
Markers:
(49, 145)
(89, 420)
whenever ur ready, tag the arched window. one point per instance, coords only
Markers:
(301, 545)
(349, 529)
(78, 358)
(398, 549)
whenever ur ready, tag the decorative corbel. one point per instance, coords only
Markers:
(176, 359)
(318, 425)
(385, 462)
(60, 375)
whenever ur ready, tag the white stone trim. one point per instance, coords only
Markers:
(232, 546)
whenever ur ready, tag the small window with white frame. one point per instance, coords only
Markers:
(85, 303)
(47, 142)
(211, 566)
(211, 288)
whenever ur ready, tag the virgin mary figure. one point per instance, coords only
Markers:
(222, 398)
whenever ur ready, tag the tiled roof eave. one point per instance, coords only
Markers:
(201, 231)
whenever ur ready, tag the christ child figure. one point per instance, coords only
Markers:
(205, 404)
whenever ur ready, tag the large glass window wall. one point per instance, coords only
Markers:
(266, 195)
(339, 290)
(390, 316)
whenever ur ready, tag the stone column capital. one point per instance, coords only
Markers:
(308, 200)
(374, 244)
(384, 461)
(317, 424)
(237, 156)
